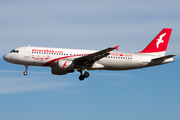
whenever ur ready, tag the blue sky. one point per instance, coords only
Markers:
(149, 93)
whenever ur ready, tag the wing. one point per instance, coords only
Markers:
(88, 60)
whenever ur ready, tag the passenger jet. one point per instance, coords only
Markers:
(63, 61)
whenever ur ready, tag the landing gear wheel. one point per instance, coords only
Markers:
(81, 77)
(25, 73)
(26, 69)
(86, 74)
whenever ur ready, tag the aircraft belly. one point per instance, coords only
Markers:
(117, 64)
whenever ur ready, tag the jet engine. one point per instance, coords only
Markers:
(63, 67)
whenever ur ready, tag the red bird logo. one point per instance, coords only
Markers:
(160, 40)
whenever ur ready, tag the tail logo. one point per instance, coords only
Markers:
(160, 40)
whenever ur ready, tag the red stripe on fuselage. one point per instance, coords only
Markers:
(51, 61)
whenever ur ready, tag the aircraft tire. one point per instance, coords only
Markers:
(25, 73)
(81, 77)
(86, 74)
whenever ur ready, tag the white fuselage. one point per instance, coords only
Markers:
(41, 56)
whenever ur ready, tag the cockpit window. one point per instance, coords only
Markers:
(14, 51)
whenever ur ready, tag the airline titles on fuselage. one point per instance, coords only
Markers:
(37, 52)
(46, 51)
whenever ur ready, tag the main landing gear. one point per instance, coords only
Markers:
(82, 77)
(26, 69)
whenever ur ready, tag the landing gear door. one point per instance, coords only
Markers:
(27, 52)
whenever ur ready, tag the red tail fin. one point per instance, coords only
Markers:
(159, 43)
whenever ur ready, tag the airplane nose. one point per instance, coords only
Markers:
(11, 58)
(7, 57)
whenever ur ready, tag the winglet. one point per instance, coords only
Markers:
(116, 47)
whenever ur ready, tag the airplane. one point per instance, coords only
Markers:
(63, 61)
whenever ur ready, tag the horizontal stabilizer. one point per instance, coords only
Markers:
(164, 57)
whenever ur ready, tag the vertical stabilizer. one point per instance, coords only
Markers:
(159, 44)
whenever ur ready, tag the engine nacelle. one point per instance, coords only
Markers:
(63, 67)
(56, 71)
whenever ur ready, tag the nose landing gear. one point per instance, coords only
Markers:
(26, 69)
(82, 77)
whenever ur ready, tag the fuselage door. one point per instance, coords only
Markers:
(27, 52)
